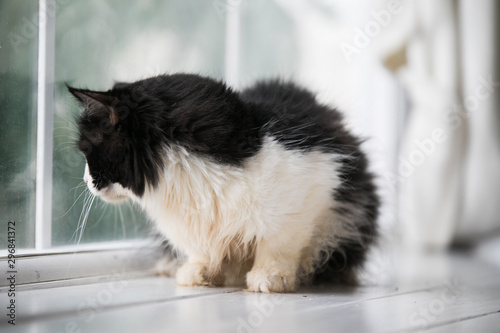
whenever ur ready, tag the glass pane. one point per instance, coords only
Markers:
(98, 43)
(268, 49)
(18, 84)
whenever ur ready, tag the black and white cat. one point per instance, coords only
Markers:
(265, 182)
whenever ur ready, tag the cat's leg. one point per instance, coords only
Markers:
(276, 262)
(198, 271)
(170, 260)
(168, 266)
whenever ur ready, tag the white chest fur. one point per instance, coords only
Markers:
(214, 213)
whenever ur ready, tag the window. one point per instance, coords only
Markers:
(18, 93)
(87, 44)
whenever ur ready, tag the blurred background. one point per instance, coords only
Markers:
(418, 79)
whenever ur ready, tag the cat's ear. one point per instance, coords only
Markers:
(97, 103)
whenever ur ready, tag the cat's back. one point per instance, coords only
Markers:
(293, 116)
(277, 92)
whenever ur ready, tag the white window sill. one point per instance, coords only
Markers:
(463, 297)
(77, 262)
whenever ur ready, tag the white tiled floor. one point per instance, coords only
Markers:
(454, 292)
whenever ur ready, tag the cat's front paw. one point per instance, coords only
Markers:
(195, 274)
(270, 281)
(167, 267)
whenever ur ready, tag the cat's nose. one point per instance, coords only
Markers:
(85, 180)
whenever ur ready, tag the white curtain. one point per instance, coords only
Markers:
(481, 82)
(442, 150)
(449, 164)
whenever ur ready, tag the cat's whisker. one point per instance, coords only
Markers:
(104, 208)
(78, 178)
(81, 219)
(81, 184)
(74, 203)
(85, 218)
(122, 222)
(64, 149)
(134, 221)
(67, 142)
(78, 187)
(69, 137)
(86, 192)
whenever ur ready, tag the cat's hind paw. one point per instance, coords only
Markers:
(270, 281)
(194, 274)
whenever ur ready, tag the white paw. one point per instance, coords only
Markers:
(167, 267)
(196, 274)
(191, 275)
(271, 281)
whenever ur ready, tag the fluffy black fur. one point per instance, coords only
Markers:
(123, 130)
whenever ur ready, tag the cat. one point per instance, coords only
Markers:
(264, 183)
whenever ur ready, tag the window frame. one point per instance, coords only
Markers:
(45, 127)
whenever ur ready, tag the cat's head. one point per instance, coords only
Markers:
(120, 134)
(106, 143)
(123, 132)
